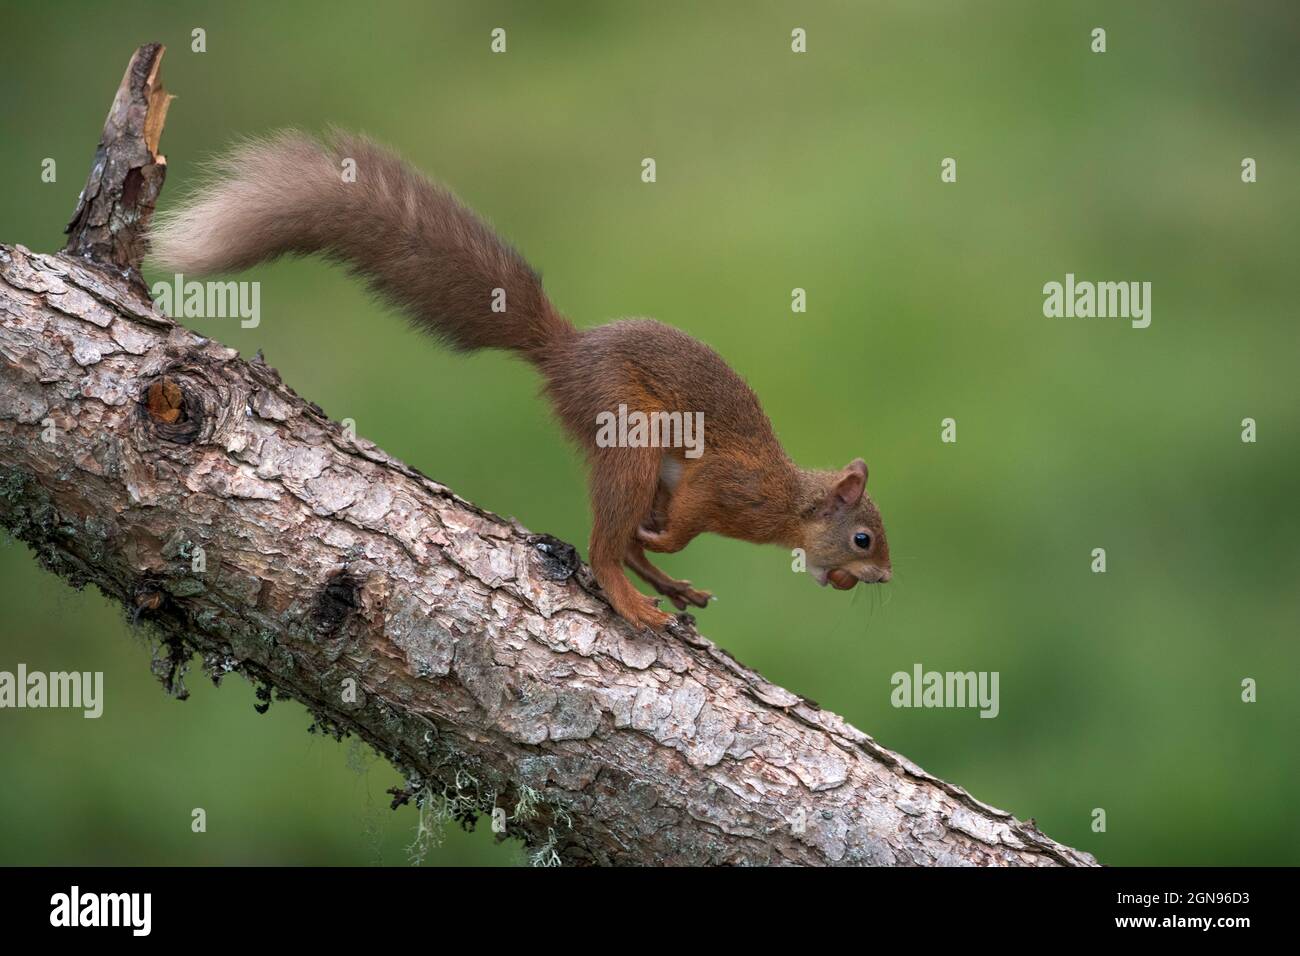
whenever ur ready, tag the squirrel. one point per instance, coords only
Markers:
(421, 250)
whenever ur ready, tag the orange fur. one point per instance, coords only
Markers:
(419, 248)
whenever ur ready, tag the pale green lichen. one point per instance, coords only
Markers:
(461, 802)
(527, 806)
(545, 855)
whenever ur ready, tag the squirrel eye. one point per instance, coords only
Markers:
(862, 540)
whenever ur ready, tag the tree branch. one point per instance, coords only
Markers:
(242, 524)
(115, 205)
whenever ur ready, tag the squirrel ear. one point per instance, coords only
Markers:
(848, 489)
(857, 464)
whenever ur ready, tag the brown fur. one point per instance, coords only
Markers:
(423, 251)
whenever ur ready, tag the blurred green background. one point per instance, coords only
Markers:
(775, 170)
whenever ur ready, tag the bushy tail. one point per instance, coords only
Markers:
(412, 240)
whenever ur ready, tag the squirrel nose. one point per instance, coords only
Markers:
(886, 574)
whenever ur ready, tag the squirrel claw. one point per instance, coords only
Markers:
(647, 615)
(697, 598)
(680, 593)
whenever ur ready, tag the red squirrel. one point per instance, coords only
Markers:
(423, 251)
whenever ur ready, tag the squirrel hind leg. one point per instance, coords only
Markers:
(623, 484)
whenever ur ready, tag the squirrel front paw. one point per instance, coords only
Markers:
(681, 594)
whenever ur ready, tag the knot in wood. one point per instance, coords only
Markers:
(173, 410)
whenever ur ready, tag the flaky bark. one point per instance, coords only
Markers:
(114, 208)
(486, 666)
